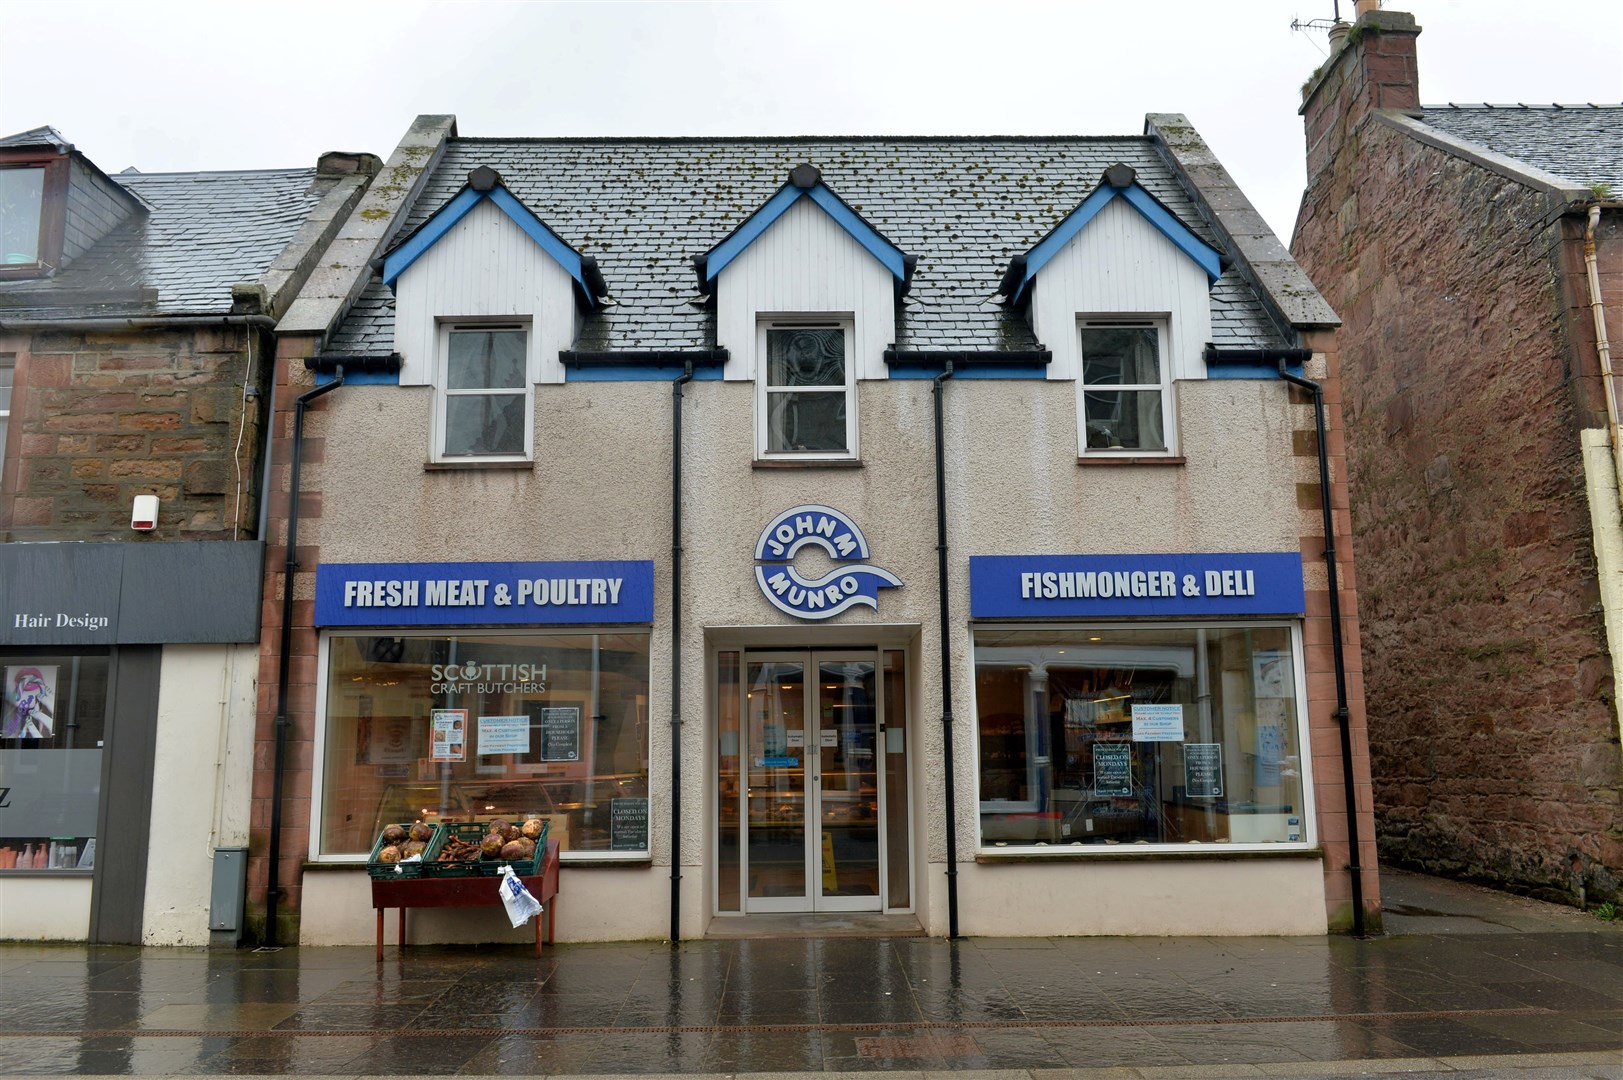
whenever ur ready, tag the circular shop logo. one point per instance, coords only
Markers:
(851, 583)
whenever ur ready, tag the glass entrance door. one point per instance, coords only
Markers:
(810, 751)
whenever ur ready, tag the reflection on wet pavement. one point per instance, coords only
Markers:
(810, 1005)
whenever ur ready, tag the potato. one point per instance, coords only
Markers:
(514, 849)
(393, 834)
(531, 829)
(422, 833)
(389, 854)
(491, 845)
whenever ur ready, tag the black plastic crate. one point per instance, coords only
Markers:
(473, 832)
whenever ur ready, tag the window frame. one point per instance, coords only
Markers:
(846, 324)
(8, 392)
(1161, 323)
(318, 780)
(52, 210)
(1301, 739)
(444, 329)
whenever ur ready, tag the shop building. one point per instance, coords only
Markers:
(136, 320)
(1477, 254)
(922, 527)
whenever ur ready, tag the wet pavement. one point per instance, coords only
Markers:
(1501, 988)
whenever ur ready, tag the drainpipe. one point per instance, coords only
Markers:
(333, 365)
(1603, 346)
(1343, 716)
(676, 647)
(946, 653)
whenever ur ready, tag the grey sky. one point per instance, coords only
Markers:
(225, 85)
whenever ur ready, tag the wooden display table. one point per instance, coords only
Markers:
(468, 892)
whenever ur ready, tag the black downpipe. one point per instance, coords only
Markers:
(676, 648)
(1343, 716)
(273, 887)
(946, 655)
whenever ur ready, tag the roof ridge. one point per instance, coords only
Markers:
(683, 139)
(288, 171)
(1554, 106)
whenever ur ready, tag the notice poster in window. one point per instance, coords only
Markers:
(504, 735)
(390, 743)
(560, 732)
(449, 741)
(1112, 770)
(1270, 752)
(1158, 723)
(1271, 672)
(30, 706)
(1203, 770)
(628, 824)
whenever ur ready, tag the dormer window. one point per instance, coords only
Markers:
(807, 403)
(22, 205)
(484, 393)
(1125, 403)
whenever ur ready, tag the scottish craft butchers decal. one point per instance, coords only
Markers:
(1039, 586)
(840, 589)
(484, 594)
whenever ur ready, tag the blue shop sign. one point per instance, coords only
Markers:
(1091, 586)
(484, 594)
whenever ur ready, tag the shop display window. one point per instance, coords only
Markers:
(1139, 736)
(470, 727)
(52, 725)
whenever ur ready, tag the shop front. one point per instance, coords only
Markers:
(1140, 725)
(123, 738)
(458, 693)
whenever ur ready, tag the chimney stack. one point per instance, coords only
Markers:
(1373, 68)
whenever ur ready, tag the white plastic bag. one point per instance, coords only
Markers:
(521, 906)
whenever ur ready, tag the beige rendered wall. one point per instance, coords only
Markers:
(600, 489)
(1146, 898)
(202, 777)
(46, 908)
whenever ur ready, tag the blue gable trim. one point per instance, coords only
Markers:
(1249, 371)
(1164, 221)
(449, 215)
(888, 254)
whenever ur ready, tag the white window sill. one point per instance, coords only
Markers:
(807, 463)
(462, 466)
(1132, 459)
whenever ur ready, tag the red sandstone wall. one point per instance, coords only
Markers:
(98, 418)
(1493, 733)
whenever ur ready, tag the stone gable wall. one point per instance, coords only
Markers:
(98, 418)
(1494, 740)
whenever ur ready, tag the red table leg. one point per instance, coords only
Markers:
(380, 935)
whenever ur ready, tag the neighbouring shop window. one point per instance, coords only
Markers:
(484, 393)
(1124, 389)
(470, 727)
(8, 373)
(807, 392)
(1164, 735)
(52, 724)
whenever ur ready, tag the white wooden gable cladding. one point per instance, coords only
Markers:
(805, 264)
(484, 268)
(1121, 265)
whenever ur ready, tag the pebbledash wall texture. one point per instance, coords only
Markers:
(1470, 370)
(102, 417)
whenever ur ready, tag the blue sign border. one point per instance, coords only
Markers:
(1070, 586)
(484, 593)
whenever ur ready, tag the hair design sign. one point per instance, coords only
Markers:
(1089, 586)
(484, 594)
(851, 583)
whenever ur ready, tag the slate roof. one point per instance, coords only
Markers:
(1579, 143)
(40, 136)
(645, 207)
(206, 232)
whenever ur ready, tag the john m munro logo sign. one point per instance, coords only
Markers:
(851, 583)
